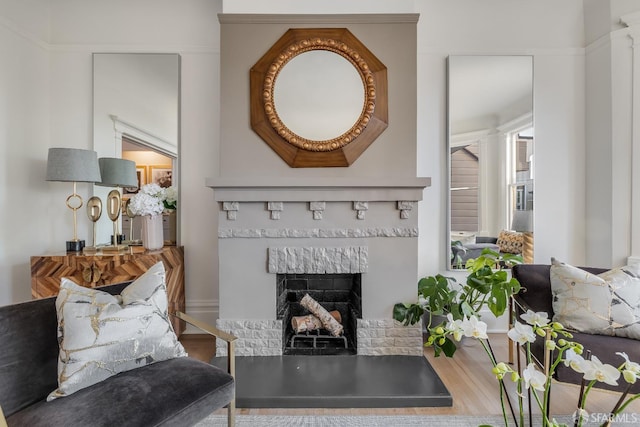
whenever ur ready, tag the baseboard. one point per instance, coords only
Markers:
(495, 324)
(204, 310)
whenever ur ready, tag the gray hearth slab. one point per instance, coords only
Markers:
(337, 382)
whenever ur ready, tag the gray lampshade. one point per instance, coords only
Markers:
(72, 164)
(522, 220)
(118, 172)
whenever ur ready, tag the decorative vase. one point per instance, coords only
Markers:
(152, 233)
(173, 225)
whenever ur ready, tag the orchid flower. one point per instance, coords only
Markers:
(534, 378)
(539, 318)
(575, 361)
(631, 370)
(596, 370)
(455, 327)
(521, 333)
(474, 328)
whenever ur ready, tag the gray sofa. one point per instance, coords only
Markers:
(175, 392)
(536, 295)
(460, 254)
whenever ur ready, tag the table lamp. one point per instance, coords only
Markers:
(73, 165)
(116, 173)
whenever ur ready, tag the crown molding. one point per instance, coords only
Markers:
(325, 19)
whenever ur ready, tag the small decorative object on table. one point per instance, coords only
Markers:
(152, 233)
(149, 203)
(94, 212)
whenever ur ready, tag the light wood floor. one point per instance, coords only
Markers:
(467, 376)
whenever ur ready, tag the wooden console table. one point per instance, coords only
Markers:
(105, 269)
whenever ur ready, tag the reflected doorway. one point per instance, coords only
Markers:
(151, 167)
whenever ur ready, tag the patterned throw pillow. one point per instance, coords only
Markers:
(510, 242)
(101, 335)
(604, 304)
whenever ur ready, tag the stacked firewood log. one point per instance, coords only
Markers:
(319, 318)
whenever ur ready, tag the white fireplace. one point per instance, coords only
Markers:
(268, 227)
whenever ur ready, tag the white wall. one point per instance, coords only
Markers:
(189, 28)
(46, 86)
(46, 101)
(520, 28)
(25, 197)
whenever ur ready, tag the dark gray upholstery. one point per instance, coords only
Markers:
(536, 295)
(176, 392)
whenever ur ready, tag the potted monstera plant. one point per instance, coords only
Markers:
(442, 299)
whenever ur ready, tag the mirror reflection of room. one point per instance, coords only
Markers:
(136, 117)
(151, 167)
(491, 154)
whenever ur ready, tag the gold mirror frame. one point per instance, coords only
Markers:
(294, 149)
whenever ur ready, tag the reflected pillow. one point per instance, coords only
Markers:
(604, 304)
(510, 242)
(101, 335)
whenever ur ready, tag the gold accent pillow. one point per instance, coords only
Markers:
(510, 242)
(604, 304)
(101, 335)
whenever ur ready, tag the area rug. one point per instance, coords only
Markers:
(362, 421)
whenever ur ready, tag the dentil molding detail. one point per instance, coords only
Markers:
(303, 233)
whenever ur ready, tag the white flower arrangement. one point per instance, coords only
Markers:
(153, 200)
(532, 379)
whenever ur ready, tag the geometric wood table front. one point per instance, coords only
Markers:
(106, 269)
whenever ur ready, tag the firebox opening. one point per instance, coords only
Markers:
(340, 292)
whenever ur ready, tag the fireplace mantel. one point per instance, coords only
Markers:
(241, 189)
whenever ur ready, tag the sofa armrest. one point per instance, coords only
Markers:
(231, 360)
(3, 422)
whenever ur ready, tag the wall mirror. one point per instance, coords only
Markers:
(318, 97)
(136, 116)
(490, 156)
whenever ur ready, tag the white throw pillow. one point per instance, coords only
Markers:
(101, 335)
(605, 304)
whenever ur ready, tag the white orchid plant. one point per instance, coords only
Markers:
(531, 379)
(153, 200)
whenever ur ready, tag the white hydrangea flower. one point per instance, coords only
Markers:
(148, 201)
(171, 194)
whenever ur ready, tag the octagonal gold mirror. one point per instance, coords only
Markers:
(319, 97)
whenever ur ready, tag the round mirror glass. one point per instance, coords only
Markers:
(319, 95)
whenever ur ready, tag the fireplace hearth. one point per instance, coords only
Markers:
(339, 292)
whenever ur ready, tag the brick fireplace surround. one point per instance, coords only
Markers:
(271, 227)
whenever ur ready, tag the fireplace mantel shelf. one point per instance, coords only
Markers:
(242, 189)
